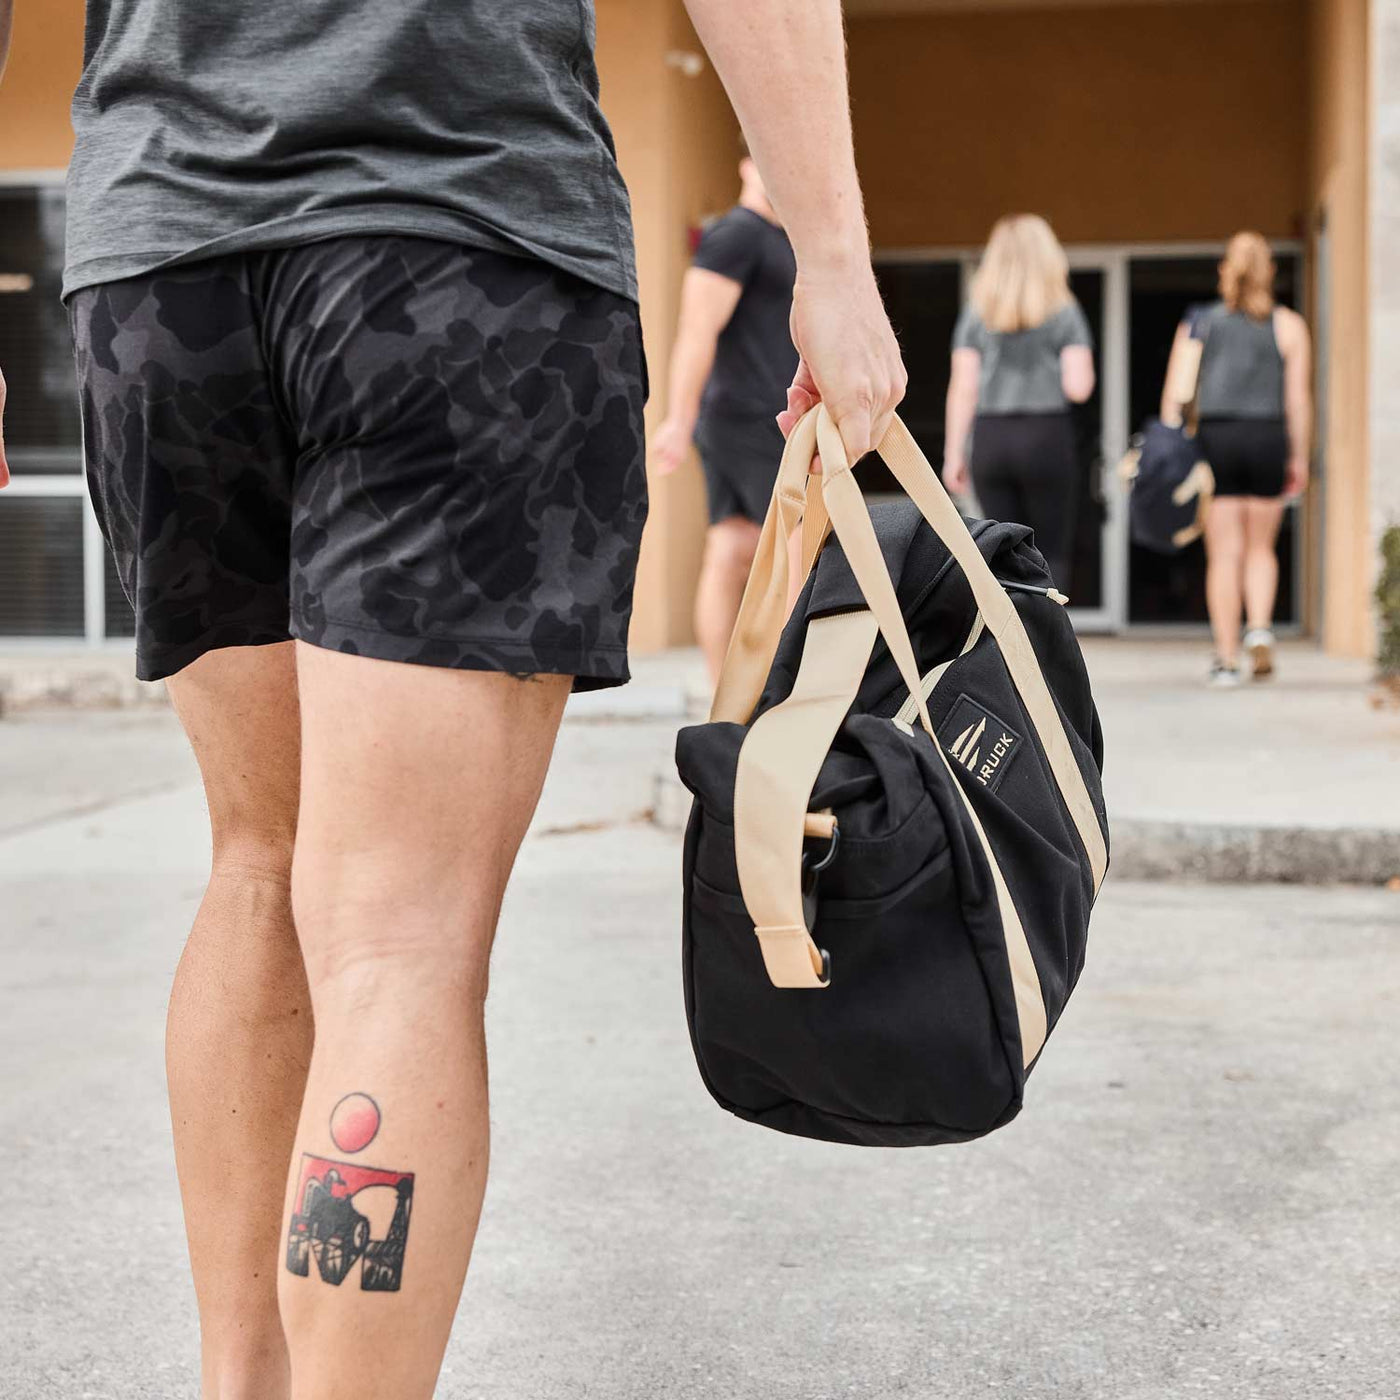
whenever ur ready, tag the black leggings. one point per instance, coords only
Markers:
(1024, 469)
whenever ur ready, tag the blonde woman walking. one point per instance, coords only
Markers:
(1254, 403)
(1022, 353)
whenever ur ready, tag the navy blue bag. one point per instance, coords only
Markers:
(1172, 487)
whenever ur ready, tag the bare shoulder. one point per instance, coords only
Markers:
(1290, 329)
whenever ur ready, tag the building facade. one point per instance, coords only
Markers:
(1147, 131)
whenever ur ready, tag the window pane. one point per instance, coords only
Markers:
(41, 566)
(42, 430)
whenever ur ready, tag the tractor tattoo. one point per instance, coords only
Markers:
(346, 1214)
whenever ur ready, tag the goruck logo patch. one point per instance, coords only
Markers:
(975, 738)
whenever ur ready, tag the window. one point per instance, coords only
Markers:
(49, 586)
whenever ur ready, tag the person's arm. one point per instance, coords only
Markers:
(1295, 345)
(7, 18)
(1076, 346)
(1077, 373)
(783, 64)
(963, 386)
(708, 300)
(1184, 363)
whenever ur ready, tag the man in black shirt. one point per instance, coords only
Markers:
(731, 366)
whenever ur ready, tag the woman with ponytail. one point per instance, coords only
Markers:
(1254, 404)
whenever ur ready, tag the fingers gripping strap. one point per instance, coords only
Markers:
(911, 469)
(778, 765)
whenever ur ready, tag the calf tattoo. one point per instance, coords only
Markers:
(338, 1205)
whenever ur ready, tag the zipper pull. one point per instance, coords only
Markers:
(1054, 594)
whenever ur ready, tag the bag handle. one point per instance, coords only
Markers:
(764, 606)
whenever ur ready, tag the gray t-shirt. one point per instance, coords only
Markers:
(1021, 369)
(1241, 365)
(231, 125)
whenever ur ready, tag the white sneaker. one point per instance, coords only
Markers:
(1223, 677)
(1259, 647)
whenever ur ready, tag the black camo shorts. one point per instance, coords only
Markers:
(392, 447)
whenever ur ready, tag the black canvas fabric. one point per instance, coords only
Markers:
(916, 1040)
(1166, 457)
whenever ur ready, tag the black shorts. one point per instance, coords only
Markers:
(392, 447)
(739, 456)
(1249, 456)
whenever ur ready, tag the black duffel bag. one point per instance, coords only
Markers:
(880, 931)
(1172, 487)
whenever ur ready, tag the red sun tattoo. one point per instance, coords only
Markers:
(354, 1122)
(345, 1213)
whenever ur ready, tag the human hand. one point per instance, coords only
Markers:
(1295, 477)
(955, 477)
(849, 357)
(669, 446)
(4, 465)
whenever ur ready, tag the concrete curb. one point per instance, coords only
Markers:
(1144, 849)
(1210, 852)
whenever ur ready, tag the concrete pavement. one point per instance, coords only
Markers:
(1200, 1198)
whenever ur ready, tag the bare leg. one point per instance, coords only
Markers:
(1224, 571)
(417, 786)
(1262, 518)
(729, 551)
(238, 1039)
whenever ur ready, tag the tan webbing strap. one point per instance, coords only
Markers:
(1025, 980)
(911, 469)
(778, 764)
(816, 524)
(764, 607)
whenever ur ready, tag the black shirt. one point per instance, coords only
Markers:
(755, 359)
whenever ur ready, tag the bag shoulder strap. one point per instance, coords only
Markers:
(778, 764)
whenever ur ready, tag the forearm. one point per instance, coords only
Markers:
(958, 425)
(783, 64)
(692, 359)
(1299, 415)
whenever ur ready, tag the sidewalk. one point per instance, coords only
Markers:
(1196, 1204)
(1296, 780)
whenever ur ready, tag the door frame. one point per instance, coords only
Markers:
(1113, 261)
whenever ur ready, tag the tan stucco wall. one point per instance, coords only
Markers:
(45, 60)
(1119, 125)
(1337, 46)
(677, 142)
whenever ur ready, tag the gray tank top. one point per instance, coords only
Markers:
(1241, 367)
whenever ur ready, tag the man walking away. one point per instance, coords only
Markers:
(731, 366)
(358, 346)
